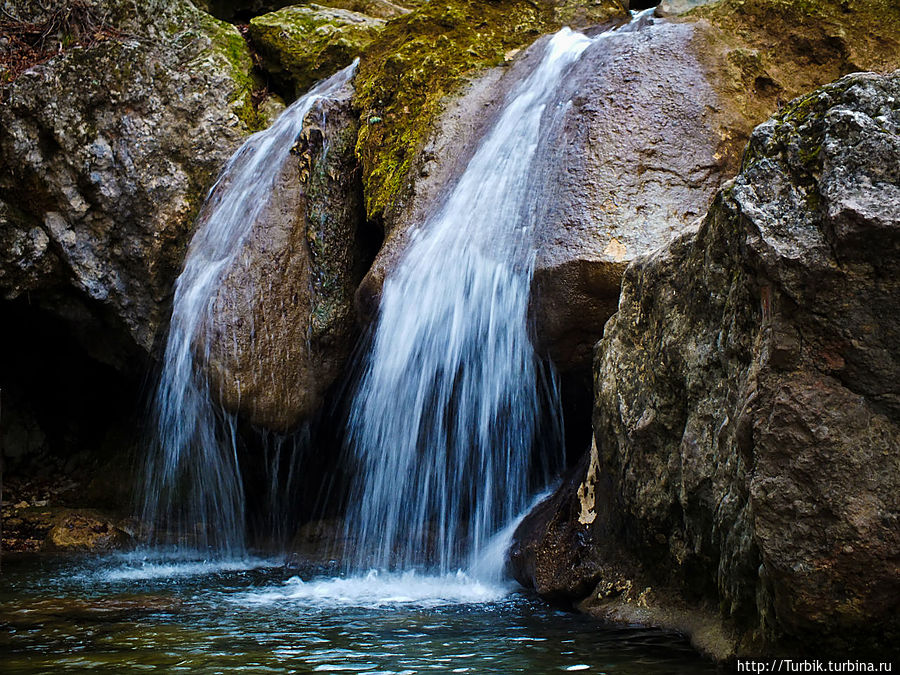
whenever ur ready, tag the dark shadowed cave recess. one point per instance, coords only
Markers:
(72, 426)
(642, 4)
(69, 421)
(295, 479)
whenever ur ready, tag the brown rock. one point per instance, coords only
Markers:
(639, 156)
(283, 323)
(86, 532)
(657, 121)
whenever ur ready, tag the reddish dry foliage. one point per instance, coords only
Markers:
(24, 44)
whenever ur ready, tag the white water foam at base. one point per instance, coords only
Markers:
(139, 567)
(483, 583)
(380, 590)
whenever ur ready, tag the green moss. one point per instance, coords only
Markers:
(422, 57)
(205, 41)
(228, 44)
(301, 45)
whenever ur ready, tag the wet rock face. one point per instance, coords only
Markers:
(283, 321)
(658, 120)
(425, 58)
(640, 155)
(746, 413)
(107, 152)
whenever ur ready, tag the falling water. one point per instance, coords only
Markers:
(193, 486)
(447, 410)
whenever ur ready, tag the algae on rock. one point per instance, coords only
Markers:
(424, 56)
(301, 45)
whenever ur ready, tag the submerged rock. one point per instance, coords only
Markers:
(303, 44)
(108, 149)
(87, 532)
(283, 321)
(747, 411)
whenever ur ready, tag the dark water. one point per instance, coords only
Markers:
(129, 615)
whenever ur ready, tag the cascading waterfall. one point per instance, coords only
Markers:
(193, 487)
(448, 405)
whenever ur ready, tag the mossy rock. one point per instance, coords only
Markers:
(426, 55)
(229, 48)
(301, 45)
(236, 10)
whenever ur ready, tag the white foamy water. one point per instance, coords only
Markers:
(378, 590)
(147, 571)
(162, 565)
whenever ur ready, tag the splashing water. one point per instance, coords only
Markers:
(448, 406)
(193, 485)
(452, 397)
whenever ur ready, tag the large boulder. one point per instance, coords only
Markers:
(656, 123)
(301, 45)
(283, 322)
(747, 413)
(108, 147)
(639, 155)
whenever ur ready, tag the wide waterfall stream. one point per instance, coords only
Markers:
(447, 415)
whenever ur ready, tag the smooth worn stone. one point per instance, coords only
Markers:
(283, 320)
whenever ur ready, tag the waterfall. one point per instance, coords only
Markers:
(446, 413)
(193, 489)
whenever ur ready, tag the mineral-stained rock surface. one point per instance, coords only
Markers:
(107, 150)
(283, 322)
(747, 413)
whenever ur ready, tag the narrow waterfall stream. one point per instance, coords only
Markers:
(193, 490)
(449, 407)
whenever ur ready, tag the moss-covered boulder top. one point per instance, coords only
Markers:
(425, 55)
(301, 45)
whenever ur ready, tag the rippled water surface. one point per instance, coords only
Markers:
(130, 614)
